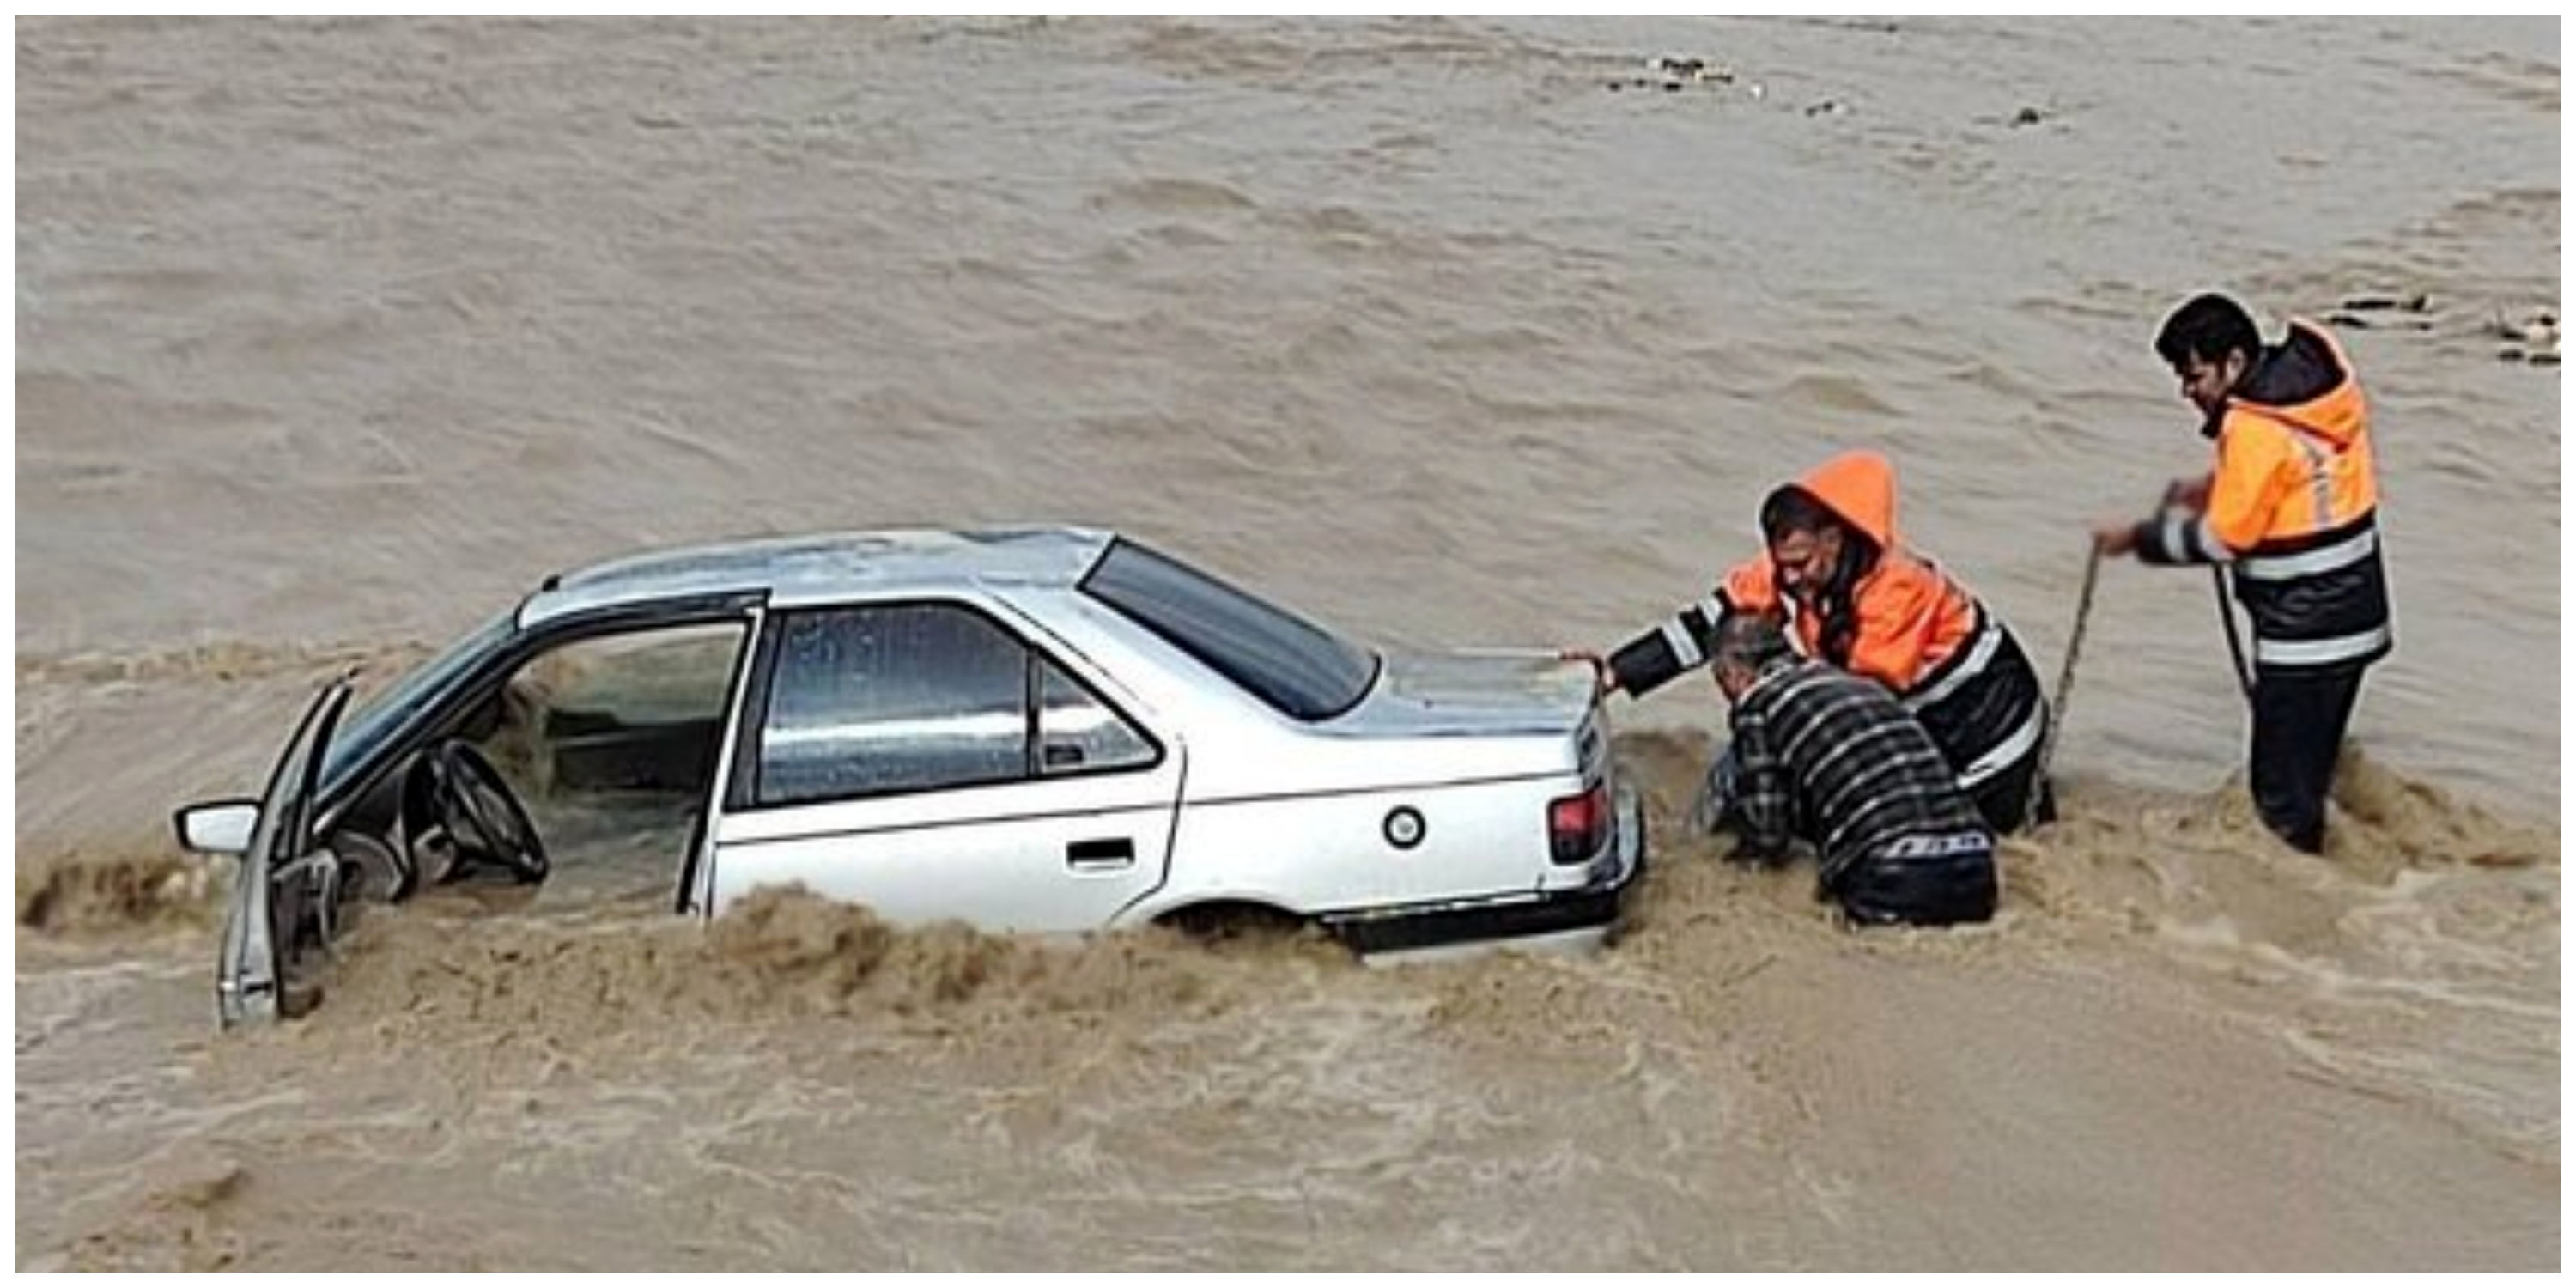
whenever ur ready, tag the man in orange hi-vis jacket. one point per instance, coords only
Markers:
(1854, 596)
(2292, 508)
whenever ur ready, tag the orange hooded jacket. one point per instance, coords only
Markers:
(2290, 471)
(1910, 615)
(2293, 509)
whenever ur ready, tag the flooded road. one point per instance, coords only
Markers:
(333, 337)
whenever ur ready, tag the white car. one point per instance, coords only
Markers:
(1042, 729)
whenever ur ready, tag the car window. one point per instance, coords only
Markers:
(1078, 733)
(1295, 666)
(892, 698)
(610, 742)
(632, 679)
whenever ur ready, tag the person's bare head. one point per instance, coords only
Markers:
(2211, 344)
(1743, 647)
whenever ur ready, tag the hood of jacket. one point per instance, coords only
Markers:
(2306, 382)
(1860, 488)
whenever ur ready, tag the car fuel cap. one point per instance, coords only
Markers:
(1404, 827)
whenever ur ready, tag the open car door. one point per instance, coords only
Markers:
(286, 901)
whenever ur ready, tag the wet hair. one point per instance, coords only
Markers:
(1748, 640)
(2208, 328)
(1794, 509)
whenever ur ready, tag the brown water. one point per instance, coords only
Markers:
(333, 336)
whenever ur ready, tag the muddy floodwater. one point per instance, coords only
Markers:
(334, 337)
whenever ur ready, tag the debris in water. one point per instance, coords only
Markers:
(2534, 334)
(2028, 116)
(1672, 74)
(2375, 312)
(2362, 322)
(2416, 303)
(1696, 69)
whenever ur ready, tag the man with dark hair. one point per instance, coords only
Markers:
(1834, 759)
(2292, 507)
(1834, 570)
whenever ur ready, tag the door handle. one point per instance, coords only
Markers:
(1099, 855)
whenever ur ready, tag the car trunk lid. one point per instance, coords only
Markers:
(1474, 694)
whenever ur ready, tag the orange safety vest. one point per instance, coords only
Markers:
(2290, 472)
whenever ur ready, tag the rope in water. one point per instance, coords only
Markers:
(2039, 787)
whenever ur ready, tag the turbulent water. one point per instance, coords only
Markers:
(334, 336)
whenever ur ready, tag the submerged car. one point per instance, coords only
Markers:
(1044, 730)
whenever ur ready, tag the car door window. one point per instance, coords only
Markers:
(609, 742)
(637, 710)
(1079, 733)
(893, 698)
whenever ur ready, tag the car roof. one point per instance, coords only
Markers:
(824, 565)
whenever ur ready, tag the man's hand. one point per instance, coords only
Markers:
(2114, 539)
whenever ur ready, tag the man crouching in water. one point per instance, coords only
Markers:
(1832, 758)
(1834, 569)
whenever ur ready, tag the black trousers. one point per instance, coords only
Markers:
(2299, 722)
(2005, 798)
(1953, 887)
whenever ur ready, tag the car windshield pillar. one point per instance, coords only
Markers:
(379, 716)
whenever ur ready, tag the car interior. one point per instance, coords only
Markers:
(580, 778)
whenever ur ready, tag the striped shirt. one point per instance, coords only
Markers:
(1831, 757)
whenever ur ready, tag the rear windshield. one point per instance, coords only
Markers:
(1304, 671)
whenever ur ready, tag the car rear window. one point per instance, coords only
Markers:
(1301, 669)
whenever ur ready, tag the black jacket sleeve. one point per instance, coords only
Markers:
(1675, 645)
(2179, 537)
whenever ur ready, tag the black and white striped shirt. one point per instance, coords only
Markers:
(1832, 757)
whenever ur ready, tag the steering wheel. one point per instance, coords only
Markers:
(483, 821)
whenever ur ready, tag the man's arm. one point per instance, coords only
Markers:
(1675, 645)
(2233, 506)
(2256, 465)
(2176, 536)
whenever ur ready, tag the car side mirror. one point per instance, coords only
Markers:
(217, 827)
(1060, 755)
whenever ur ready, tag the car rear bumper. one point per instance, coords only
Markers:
(1592, 906)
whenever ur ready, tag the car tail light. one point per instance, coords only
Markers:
(1577, 825)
